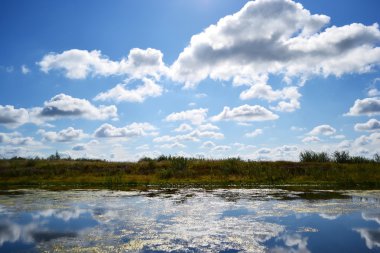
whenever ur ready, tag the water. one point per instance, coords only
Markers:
(189, 220)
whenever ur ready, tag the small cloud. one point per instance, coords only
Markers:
(9, 69)
(245, 113)
(148, 88)
(183, 128)
(373, 92)
(79, 147)
(65, 135)
(299, 129)
(254, 133)
(200, 95)
(322, 130)
(25, 70)
(195, 116)
(366, 106)
(129, 131)
(208, 145)
(221, 148)
(143, 147)
(338, 136)
(370, 125)
(311, 139)
(175, 145)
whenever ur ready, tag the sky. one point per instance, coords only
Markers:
(262, 80)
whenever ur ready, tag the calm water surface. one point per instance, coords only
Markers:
(189, 220)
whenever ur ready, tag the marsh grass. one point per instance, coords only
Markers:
(313, 168)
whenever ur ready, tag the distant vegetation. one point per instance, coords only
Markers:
(337, 157)
(336, 169)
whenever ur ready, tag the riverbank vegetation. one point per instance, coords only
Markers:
(337, 169)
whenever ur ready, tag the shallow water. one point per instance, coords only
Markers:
(189, 220)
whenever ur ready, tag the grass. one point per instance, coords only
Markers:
(322, 170)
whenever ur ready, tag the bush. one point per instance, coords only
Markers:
(341, 157)
(311, 156)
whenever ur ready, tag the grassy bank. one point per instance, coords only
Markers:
(179, 170)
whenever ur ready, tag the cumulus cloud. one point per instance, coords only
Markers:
(60, 106)
(192, 136)
(370, 125)
(221, 148)
(208, 126)
(183, 128)
(16, 139)
(129, 131)
(366, 106)
(280, 38)
(276, 37)
(175, 145)
(208, 145)
(322, 130)
(245, 113)
(120, 93)
(79, 64)
(12, 117)
(262, 151)
(289, 95)
(373, 92)
(63, 105)
(65, 135)
(80, 147)
(195, 116)
(254, 133)
(311, 139)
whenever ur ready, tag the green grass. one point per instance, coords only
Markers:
(179, 170)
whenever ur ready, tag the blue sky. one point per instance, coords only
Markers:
(260, 79)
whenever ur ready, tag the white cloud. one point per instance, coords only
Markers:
(65, 135)
(245, 113)
(11, 117)
(370, 125)
(63, 105)
(24, 69)
(311, 139)
(265, 91)
(276, 37)
(129, 131)
(295, 128)
(221, 148)
(78, 64)
(143, 147)
(195, 116)
(207, 126)
(339, 136)
(373, 92)
(175, 145)
(366, 106)
(208, 145)
(287, 148)
(119, 93)
(370, 236)
(17, 139)
(192, 136)
(263, 151)
(183, 128)
(322, 130)
(243, 147)
(80, 147)
(254, 133)
(201, 95)
(60, 106)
